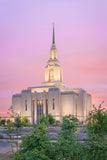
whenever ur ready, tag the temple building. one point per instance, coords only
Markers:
(53, 96)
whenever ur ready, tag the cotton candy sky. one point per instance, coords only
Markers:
(26, 37)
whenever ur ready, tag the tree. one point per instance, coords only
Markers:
(38, 145)
(35, 146)
(69, 124)
(8, 121)
(9, 130)
(11, 126)
(17, 122)
(67, 146)
(97, 126)
(96, 147)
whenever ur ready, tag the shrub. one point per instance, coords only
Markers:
(35, 146)
(96, 147)
(94, 150)
(3, 121)
(47, 119)
(25, 122)
(44, 120)
(70, 124)
(97, 125)
(50, 118)
(67, 146)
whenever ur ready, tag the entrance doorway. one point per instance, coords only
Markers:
(39, 109)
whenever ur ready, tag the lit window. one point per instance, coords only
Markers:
(52, 54)
(51, 75)
(25, 105)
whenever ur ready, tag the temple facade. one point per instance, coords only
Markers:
(53, 96)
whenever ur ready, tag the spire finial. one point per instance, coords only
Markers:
(53, 35)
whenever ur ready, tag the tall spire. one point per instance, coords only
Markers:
(53, 35)
(53, 51)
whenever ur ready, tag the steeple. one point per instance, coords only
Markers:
(53, 51)
(53, 69)
(53, 35)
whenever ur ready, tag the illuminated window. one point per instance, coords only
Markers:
(51, 75)
(52, 54)
(25, 104)
(61, 75)
(53, 103)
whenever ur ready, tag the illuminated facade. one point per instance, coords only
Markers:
(53, 96)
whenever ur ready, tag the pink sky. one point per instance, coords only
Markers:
(25, 41)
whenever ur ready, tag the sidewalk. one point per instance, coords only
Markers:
(5, 147)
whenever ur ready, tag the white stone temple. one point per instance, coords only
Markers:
(53, 96)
